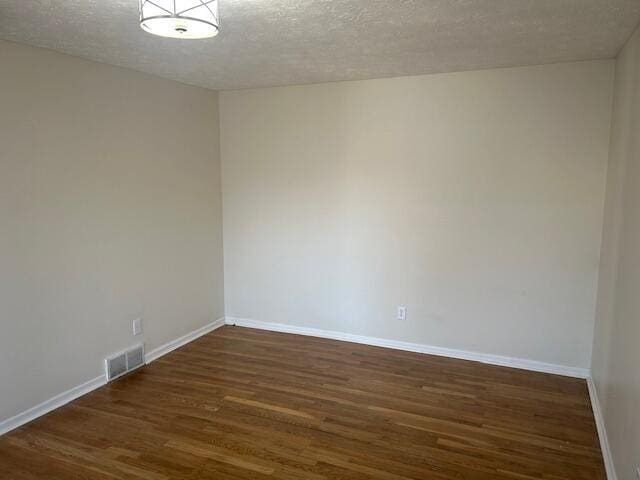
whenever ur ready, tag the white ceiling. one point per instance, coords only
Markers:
(281, 42)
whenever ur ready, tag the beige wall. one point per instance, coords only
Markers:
(616, 352)
(109, 210)
(475, 199)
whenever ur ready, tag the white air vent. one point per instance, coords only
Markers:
(135, 358)
(125, 362)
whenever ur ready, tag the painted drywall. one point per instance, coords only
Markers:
(110, 209)
(474, 199)
(616, 350)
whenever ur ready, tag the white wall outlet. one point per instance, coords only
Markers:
(402, 312)
(137, 326)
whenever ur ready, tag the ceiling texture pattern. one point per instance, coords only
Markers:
(283, 42)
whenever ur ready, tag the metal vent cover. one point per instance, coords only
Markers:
(116, 366)
(135, 358)
(125, 362)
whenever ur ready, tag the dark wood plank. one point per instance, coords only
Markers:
(249, 404)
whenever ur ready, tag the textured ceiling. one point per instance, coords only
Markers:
(281, 42)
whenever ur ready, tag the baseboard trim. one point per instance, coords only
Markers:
(179, 342)
(602, 431)
(51, 404)
(80, 390)
(415, 347)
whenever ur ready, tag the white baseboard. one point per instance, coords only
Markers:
(179, 342)
(75, 392)
(51, 404)
(602, 431)
(416, 347)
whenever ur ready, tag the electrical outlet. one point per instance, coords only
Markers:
(402, 312)
(137, 326)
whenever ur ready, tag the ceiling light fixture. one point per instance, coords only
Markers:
(188, 19)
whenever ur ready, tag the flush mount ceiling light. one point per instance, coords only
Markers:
(188, 19)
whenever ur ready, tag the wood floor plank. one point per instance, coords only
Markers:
(249, 404)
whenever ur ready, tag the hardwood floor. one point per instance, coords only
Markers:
(248, 404)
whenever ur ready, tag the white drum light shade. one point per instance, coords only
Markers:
(188, 19)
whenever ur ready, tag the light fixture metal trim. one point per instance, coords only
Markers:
(185, 19)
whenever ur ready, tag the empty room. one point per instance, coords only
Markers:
(320, 239)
